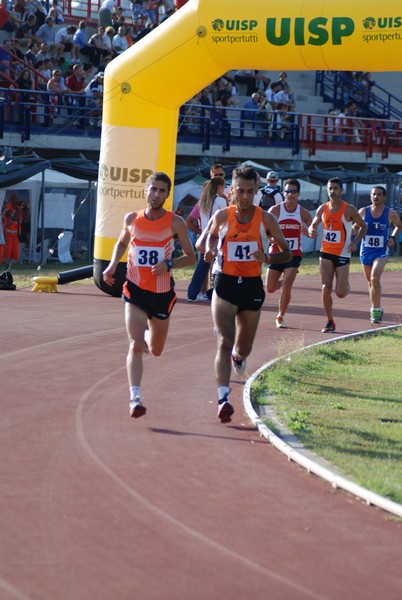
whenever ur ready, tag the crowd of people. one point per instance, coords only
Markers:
(236, 237)
(43, 50)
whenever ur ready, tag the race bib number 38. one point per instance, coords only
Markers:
(147, 256)
(240, 251)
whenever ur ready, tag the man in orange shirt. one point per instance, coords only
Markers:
(149, 288)
(238, 239)
(337, 217)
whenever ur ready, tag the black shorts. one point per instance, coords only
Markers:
(295, 262)
(158, 305)
(247, 293)
(337, 261)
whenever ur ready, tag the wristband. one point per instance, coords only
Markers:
(392, 237)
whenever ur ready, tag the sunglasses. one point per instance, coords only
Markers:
(290, 191)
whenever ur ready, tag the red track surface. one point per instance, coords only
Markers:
(175, 505)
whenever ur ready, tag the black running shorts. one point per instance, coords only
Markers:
(158, 305)
(247, 293)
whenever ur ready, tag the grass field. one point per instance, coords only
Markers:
(343, 401)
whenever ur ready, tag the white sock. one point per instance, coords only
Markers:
(135, 393)
(222, 391)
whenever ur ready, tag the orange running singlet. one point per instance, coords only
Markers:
(237, 240)
(336, 234)
(151, 242)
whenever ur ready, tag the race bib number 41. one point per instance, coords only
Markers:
(240, 251)
(146, 256)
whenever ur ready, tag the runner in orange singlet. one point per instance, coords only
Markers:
(238, 240)
(337, 217)
(149, 289)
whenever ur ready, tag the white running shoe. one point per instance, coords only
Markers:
(202, 297)
(239, 365)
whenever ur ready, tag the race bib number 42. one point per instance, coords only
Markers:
(146, 256)
(333, 237)
(240, 251)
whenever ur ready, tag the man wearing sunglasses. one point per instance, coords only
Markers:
(293, 220)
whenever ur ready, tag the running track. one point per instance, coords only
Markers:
(175, 505)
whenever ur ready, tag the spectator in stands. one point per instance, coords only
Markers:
(43, 76)
(57, 87)
(284, 99)
(15, 49)
(254, 80)
(340, 127)
(94, 94)
(270, 94)
(26, 32)
(81, 39)
(43, 53)
(96, 40)
(19, 9)
(108, 38)
(5, 58)
(30, 54)
(105, 13)
(282, 80)
(139, 14)
(75, 87)
(352, 112)
(40, 13)
(205, 101)
(47, 34)
(88, 72)
(166, 9)
(8, 21)
(255, 111)
(48, 69)
(149, 7)
(65, 36)
(129, 35)
(119, 41)
(56, 12)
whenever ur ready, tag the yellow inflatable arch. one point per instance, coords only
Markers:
(145, 87)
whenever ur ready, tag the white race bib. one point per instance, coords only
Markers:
(240, 251)
(333, 237)
(293, 243)
(374, 241)
(147, 256)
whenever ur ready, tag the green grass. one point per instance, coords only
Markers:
(344, 402)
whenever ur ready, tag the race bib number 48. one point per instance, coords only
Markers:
(374, 241)
(146, 256)
(240, 251)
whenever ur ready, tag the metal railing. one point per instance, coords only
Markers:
(371, 99)
(35, 112)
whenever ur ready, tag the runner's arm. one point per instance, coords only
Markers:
(119, 249)
(274, 231)
(359, 222)
(397, 223)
